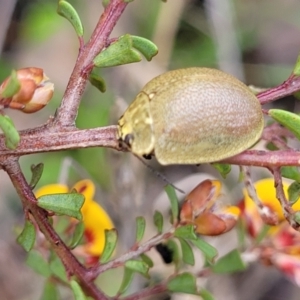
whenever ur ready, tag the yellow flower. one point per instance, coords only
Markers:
(267, 194)
(95, 218)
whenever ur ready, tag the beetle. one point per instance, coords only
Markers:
(191, 116)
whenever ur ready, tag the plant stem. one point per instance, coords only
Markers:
(67, 111)
(72, 265)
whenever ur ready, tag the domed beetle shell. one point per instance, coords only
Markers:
(192, 116)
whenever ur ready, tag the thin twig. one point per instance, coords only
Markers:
(268, 216)
(287, 209)
(67, 111)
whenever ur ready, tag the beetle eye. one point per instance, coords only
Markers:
(128, 139)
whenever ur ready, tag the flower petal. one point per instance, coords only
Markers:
(49, 189)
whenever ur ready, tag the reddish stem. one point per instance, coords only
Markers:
(288, 87)
(73, 266)
(67, 111)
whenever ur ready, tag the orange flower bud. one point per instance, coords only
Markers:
(40, 99)
(201, 209)
(200, 198)
(34, 93)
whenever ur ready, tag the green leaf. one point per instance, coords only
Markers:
(186, 232)
(111, 238)
(296, 217)
(262, 234)
(174, 203)
(173, 247)
(57, 268)
(209, 251)
(50, 291)
(291, 173)
(63, 204)
(77, 235)
(127, 279)
(118, 53)
(146, 47)
(37, 172)
(145, 258)
(296, 70)
(138, 266)
(206, 295)
(230, 263)
(187, 252)
(97, 81)
(127, 1)
(66, 10)
(140, 229)
(77, 291)
(183, 283)
(294, 192)
(13, 85)
(27, 237)
(158, 220)
(288, 119)
(37, 263)
(12, 137)
(223, 169)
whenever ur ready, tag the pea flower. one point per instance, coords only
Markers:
(201, 208)
(95, 218)
(281, 245)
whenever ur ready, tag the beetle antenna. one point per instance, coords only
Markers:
(158, 174)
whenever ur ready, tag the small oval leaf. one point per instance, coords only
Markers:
(229, 263)
(209, 251)
(174, 203)
(118, 53)
(223, 169)
(158, 220)
(146, 47)
(66, 10)
(98, 82)
(37, 172)
(173, 247)
(145, 258)
(12, 85)
(27, 237)
(12, 137)
(187, 232)
(206, 295)
(140, 229)
(187, 252)
(63, 204)
(111, 238)
(138, 266)
(50, 291)
(294, 192)
(288, 119)
(291, 173)
(296, 70)
(57, 268)
(77, 291)
(37, 263)
(77, 235)
(183, 283)
(127, 279)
